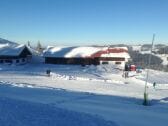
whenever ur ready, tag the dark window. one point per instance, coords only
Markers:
(17, 61)
(8, 61)
(117, 63)
(105, 63)
(1, 61)
(23, 60)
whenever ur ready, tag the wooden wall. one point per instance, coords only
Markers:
(80, 61)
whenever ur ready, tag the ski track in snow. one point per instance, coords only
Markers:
(122, 111)
(93, 90)
(109, 78)
(23, 113)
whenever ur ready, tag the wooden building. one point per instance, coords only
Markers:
(14, 54)
(86, 55)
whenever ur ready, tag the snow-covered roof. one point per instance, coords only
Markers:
(11, 49)
(123, 54)
(87, 51)
(70, 51)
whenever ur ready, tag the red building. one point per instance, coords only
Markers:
(86, 55)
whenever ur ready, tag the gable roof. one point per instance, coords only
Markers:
(70, 51)
(11, 49)
(86, 52)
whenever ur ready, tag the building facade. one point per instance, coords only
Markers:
(14, 54)
(86, 55)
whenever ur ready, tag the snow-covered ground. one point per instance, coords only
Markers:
(164, 57)
(92, 95)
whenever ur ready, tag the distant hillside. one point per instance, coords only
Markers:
(4, 41)
(163, 50)
(143, 60)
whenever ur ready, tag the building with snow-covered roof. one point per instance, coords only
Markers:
(14, 53)
(86, 55)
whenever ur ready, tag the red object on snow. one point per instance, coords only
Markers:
(133, 68)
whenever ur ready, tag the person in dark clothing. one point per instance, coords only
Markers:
(154, 85)
(126, 71)
(48, 72)
(126, 67)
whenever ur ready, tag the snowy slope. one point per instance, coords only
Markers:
(4, 41)
(164, 57)
(95, 90)
(38, 104)
(24, 113)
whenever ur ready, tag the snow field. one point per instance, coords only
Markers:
(91, 90)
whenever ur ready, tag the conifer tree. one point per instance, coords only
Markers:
(39, 47)
(28, 44)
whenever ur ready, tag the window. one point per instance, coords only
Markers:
(8, 61)
(105, 63)
(117, 63)
(17, 61)
(1, 61)
(23, 60)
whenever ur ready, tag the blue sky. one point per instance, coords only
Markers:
(84, 22)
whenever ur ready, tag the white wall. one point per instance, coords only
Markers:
(121, 66)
